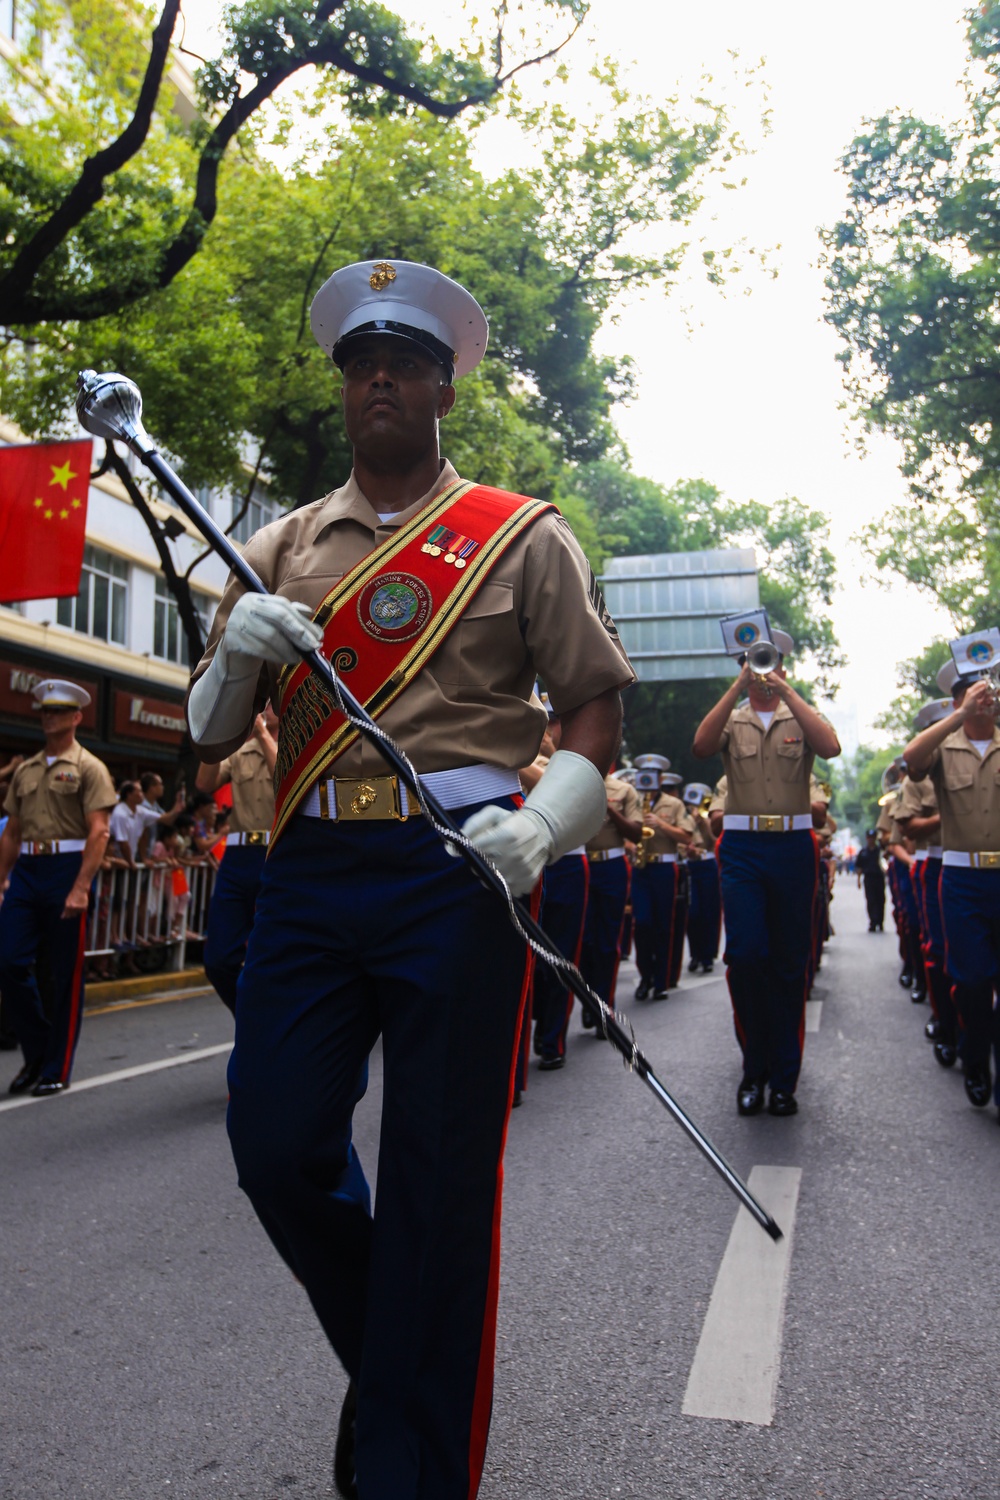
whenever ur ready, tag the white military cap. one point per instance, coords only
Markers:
(696, 791)
(947, 677)
(404, 298)
(671, 778)
(651, 763)
(55, 693)
(625, 774)
(932, 713)
(783, 641)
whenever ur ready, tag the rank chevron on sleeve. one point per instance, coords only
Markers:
(384, 620)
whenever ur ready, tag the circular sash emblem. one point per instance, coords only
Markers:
(746, 634)
(394, 606)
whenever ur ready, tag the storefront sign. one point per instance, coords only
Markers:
(138, 717)
(17, 681)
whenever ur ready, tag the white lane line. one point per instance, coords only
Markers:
(123, 1073)
(814, 1012)
(735, 1371)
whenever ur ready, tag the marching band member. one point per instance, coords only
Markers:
(674, 785)
(768, 865)
(705, 915)
(441, 602)
(654, 886)
(961, 755)
(609, 883)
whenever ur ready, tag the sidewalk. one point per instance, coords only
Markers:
(141, 988)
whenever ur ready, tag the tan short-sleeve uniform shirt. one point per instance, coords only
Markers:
(767, 772)
(253, 789)
(702, 841)
(719, 796)
(538, 614)
(968, 792)
(671, 810)
(52, 802)
(918, 799)
(625, 801)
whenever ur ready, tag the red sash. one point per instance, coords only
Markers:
(385, 618)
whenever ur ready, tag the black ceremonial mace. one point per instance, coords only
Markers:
(110, 407)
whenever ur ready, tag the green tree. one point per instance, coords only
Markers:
(859, 787)
(913, 278)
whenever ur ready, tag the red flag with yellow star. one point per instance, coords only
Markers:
(43, 519)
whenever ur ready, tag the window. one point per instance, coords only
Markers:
(169, 637)
(100, 607)
(7, 18)
(259, 512)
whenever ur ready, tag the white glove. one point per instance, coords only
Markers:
(565, 809)
(261, 628)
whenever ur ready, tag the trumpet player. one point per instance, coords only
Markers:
(654, 887)
(609, 883)
(705, 915)
(768, 862)
(961, 755)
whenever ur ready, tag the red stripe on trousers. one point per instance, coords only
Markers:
(482, 1405)
(76, 1000)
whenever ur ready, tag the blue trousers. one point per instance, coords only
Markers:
(927, 882)
(564, 909)
(607, 897)
(970, 908)
(230, 917)
(705, 915)
(31, 919)
(654, 890)
(768, 891)
(362, 931)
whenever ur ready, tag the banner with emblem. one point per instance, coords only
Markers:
(740, 632)
(385, 619)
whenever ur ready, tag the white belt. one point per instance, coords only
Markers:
(53, 846)
(661, 859)
(254, 836)
(766, 822)
(935, 851)
(458, 788)
(919, 855)
(596, 855)
(704, 855)
(978, 859)
(580, 849)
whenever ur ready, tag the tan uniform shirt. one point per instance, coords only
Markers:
(625, 801)
(968, 791)
(253, 789)
(671, 810)
(766, 772)
(52, 802)
(539, 613)
(698, 825)
(918, 799)
(718, 802)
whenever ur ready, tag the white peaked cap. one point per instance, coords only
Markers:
(403, 298)
(783, 641)
(932, 713)
(947, 676)
(671, 778)
(625, 774)
(651, 763)
(56, 693)
(696, 791)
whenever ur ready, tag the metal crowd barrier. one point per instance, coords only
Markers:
(148, 915)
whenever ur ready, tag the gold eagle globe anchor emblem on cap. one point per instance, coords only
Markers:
(382, 275)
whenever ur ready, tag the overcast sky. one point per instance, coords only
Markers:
(744, 390)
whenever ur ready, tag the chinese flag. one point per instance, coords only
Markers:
(43, 519)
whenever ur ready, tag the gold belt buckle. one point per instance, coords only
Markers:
(770, 823)
(988, 859)
(44, 846)
(258, 836)
(368, 798)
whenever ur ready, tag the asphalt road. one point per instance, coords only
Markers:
(151, 1343)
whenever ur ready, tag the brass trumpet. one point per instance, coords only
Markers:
(762, 659)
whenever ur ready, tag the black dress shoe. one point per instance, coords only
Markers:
(550, 1061)
(344, 1476)
(26, 1079)
(978, 1087)
(589, 1021)
(945, 1053)
(932, 1030)
(707, 968)
(918, 994)
(781, 1103)
(750, 1096)
(906, 979)
(693, 966)
(660, 994)
(515, 1103)
(46, 1086)
(642, 989)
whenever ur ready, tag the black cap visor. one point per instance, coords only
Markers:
(424, 341)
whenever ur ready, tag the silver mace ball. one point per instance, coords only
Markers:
(110, 406)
